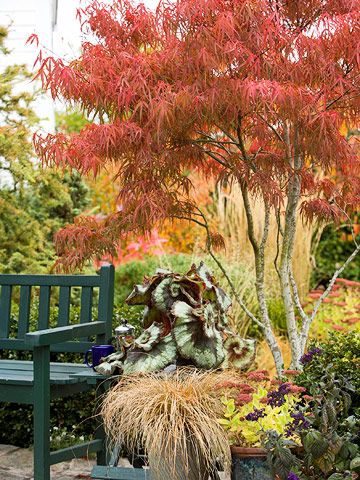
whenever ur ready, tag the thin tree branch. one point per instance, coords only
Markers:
(217, 142)
(244, 191)
(250, 218)
(266, 228)
(278, 233)
(217, 159)
(306, 326)
(296, 296)
(272, 128)
(350, 224)
(189, 219)
(228, 279)
(226, 133)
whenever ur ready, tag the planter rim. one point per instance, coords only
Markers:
(248, 451)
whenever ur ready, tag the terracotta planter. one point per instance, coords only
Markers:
(249, 464)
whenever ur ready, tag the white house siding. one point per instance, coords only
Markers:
(24, 17)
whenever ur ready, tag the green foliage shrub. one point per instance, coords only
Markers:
(34, 202)
(342, 353)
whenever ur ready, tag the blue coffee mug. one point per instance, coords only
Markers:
(98, 352)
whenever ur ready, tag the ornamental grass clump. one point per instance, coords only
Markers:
(174, 418)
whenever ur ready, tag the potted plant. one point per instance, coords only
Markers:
(255, 408)
(159, 405)
(173, 418)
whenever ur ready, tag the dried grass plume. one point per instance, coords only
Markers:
(173, 417)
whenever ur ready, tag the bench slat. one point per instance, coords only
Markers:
(86, 304)
(26, 380)
(27, 377)
(5, 310)
(24, 310)
(51, 280)
(44, 307)
(17, 344)
(64, 306)
(56, 367)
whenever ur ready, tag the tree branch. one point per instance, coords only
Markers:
(296, 296)
(226, 133)
(249, 217)
(189, 219)
(272, 128)
(217, 159)
(306, 326)
(228, 279)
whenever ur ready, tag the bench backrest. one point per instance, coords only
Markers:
(104, 282)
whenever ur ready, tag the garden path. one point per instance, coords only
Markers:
(17, 464)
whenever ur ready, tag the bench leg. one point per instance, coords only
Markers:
(41, 413)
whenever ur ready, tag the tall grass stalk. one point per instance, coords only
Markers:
(231, 217)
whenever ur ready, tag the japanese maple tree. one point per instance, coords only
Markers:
(251, 91)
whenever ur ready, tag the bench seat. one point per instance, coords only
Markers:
(21, 372)
(45, 334)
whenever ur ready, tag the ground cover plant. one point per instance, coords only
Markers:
(340, 310)
(249, 92)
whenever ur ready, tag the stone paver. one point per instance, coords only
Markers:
(17, 464)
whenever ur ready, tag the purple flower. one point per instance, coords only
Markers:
(292, 476)
(298, 423)
(276, 398)
(255, 415)
(307, 357)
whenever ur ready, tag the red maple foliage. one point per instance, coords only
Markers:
(252, 90)
(256, 90)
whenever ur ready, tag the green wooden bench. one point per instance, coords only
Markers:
(39, 381)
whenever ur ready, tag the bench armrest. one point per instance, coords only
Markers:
(51, 336)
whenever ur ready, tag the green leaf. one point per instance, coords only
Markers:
(326, 461)
(355, 463)
(160, 356)
(141, 294)
(315, 443)
(240, 352)
(149, 337)
(196, 336)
